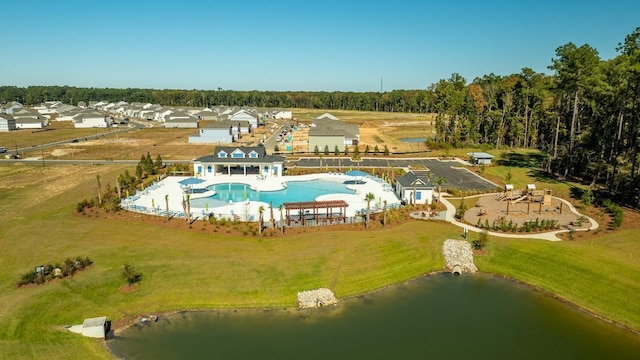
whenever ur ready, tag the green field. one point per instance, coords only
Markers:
(200, 269)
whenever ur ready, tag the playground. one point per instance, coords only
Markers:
(519, 206)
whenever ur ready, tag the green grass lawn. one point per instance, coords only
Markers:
(194, 269)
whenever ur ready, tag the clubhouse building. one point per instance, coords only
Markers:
(238, 160)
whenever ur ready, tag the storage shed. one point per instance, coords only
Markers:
(97, 327)
(480, 158)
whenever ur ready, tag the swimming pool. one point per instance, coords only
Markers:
(294, 192)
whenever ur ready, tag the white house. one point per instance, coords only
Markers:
(7, 123)
(239, 160)
(180, 120)
(283, 114)
(221, 132)
(29, 119)
(245, 115)
(91, 119)
(415, 181)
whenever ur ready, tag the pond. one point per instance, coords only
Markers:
(413, 140)
(435, 317)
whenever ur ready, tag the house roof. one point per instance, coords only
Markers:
(480, 155)
(263, 157)
(325, 116)
(419, 178)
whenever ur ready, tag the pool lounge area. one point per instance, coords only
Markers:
(239, 197)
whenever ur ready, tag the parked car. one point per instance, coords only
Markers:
(3, 149)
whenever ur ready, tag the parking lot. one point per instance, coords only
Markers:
(453, 171)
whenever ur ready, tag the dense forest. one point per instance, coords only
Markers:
(585, 115)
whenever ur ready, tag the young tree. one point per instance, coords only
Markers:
(99, 189)
(336, 151)
(386, 150)
(130, 274)
(376, 150)
(316, 151)
(159, 164)
(326, 149)
(384, 213)
(356, 152)
(366, 149)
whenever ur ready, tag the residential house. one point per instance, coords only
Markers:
(327, 131)
(245, 115)
(415, 182)
(221, 132)
(283, 115)
(29, 119)
(180, 120)
(10, 107)
(90, 119)
(240, 160)
(7, 123)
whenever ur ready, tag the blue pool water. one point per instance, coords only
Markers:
(294, 192)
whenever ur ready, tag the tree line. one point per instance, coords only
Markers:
(584, 116)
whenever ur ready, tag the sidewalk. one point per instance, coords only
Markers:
(549, 236)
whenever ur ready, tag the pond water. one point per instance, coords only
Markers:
(435, 317)
(413, 140)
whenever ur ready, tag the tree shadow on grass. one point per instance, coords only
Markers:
(521, 160)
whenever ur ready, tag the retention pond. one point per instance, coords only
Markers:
(435, 317)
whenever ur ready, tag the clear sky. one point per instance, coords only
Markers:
(280, 45)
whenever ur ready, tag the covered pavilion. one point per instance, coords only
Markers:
(310, 210)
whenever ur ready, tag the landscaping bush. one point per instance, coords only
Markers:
(67, 268)
(481, 241)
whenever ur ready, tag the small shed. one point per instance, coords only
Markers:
(97, 327)
(480, 158)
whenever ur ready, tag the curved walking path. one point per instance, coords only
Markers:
(550, 236)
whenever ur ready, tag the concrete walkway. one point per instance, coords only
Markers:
(550, 236)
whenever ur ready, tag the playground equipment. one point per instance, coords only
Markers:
(529, 195)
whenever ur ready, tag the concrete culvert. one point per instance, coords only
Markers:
(457, 270)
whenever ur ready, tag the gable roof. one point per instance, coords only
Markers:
(419, 178)
(263, 157)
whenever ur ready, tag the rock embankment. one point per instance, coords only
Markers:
(316, 298)
(459, 252)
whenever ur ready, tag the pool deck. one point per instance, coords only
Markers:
(152, 199)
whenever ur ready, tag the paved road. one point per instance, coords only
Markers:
(452, 170)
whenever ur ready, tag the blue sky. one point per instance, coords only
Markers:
(285, 45)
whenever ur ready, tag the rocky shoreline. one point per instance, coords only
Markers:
(316, 298)
(458, 253)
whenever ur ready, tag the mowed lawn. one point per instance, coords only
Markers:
(182, 269)
(195, 269)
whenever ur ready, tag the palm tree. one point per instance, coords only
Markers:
(260, 215)
(440, 180)
(273, 225)
(281, 207)
(166, 201)
(384, 213)
(368, 198)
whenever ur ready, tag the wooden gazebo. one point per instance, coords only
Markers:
(311, 210)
